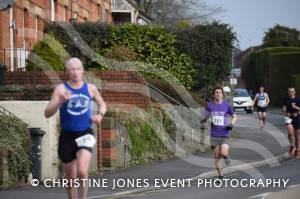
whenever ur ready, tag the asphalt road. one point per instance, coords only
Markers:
(287, 171)
(271, 186)
(275, 143)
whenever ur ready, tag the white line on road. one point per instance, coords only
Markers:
(261, 196)
(293, 186)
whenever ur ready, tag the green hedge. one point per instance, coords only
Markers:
(274, 68)
(296, 83)
(154, 45)
(48, 55)
(282, 69)
(196, 56)
(149, 44)
(15, 144)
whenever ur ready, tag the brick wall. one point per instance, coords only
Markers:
(117, 87)
(31, 15)
(106, 144)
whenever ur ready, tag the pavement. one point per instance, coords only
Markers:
(252, 147)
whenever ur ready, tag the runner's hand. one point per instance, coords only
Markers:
(65, 97)
(97, 118)
(203, 120)
(229, 127)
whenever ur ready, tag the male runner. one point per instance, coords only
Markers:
(222, 120)
(291, 108)
(74, 99)
(263, 101)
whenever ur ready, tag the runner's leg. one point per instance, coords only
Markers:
(264, 115)
(290, 130)
(260, 118)
(70, 170)
(83, 161)
(225, 153)
(217, 156)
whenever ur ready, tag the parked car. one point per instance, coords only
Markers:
(242, 100)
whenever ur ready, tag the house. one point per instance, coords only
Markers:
(127, 11)
(23, 21)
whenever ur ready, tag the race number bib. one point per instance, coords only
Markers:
(287, 120)
(218, 120)
(86, 141)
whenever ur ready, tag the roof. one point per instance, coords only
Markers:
(4, 4)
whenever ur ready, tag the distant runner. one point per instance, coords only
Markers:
(291, 108)
(263, 101)
(223, 119)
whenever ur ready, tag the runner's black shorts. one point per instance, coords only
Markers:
(295, 121)
(261, 109)
(67, 147)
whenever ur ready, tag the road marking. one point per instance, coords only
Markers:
(264, 195)
(293, 186)
(261, 196)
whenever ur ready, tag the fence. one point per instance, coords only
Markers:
(14, 59)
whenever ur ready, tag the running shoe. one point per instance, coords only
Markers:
(292, 151)
(227, 161)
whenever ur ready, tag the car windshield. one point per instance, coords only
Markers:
(241, 93)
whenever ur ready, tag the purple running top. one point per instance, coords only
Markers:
(220, 115)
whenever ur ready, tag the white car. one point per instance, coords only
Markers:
(242, 100)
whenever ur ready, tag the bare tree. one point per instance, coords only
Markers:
(168, 12)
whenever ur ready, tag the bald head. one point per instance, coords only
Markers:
(74, 69)
(74, 61)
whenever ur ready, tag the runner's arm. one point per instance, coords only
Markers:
(294, 105)
(55, 102)
(233, 119)
(284, 109)
(268, 100)
(205, 115)
(255, 98)
(100, 103)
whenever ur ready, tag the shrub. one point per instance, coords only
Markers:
(210, 48)
(154, 45)
(120, 53)
(82, 40)
(296, 82)
(49, 58)
(16, 143)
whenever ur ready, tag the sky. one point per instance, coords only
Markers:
(250, 19)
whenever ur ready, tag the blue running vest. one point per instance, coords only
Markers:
(75, 114)
(261, 96)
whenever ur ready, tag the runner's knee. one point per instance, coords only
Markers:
(82, 174)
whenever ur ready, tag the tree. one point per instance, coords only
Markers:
(281, 36)
(168, 12)
(210, 48)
